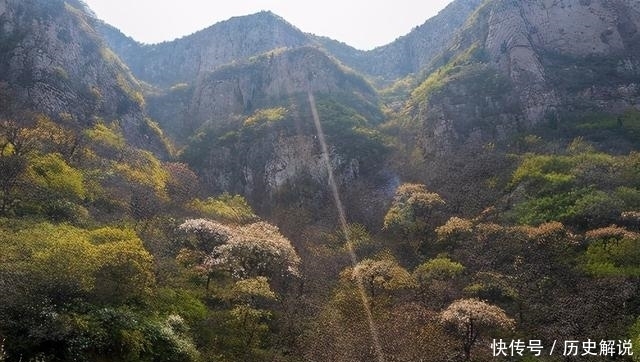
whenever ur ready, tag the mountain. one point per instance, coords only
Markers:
(53, 62)
(493, 179)
(246, 36)
(208, 87)
(410, 53)
(263, 81)
(190, 57)
(518, 65)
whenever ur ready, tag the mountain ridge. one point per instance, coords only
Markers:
(406, 55)
(549, 65)
(54, 63)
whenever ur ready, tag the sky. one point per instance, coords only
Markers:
(360, 23)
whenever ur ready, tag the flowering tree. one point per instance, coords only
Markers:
(200, 238)
(385, 274)
(255, 250)
(467, 318)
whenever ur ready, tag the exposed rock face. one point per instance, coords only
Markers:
(188, 58)
(271, 163)
(495, 68)
(243, 37)
(524, 37)
(238, 67)
(410, 53)
(53, 62)
(271, 79)
(413, 52)
(540, 60)
(264, 81)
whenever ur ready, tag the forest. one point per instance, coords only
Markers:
(109, 252)
(471, 198)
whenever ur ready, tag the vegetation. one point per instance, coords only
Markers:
(109, 252)
(240, 247)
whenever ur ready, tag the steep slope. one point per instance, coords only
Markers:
(410, 53)
(246, 36)
(186, 59)
(53, 62)
(251, 130)
(263, 81)
(517, 64)
(236, 96)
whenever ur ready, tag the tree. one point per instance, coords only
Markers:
(12, 167)
(15, 139)
(16, 143)
(226, 207)
(454, 232)
(613, 251)
(468, 318)
(249, 316)
(413, 215)
(57, 187)
(385, 274)
(257, 249)
(58, 280)
(436, 281)
(182, 183)
(200, 238)
(412, 208)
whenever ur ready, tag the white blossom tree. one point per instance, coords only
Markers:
(257, 249)
(467, 318)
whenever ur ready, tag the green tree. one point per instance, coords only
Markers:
(613, 251)
(412, 209)
(12, 168)
(226, 207)
(437, 280)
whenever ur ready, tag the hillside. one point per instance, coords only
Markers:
(410, 53)
(54, 63)
(190, 57)
(533, 63)
(254, 193)
(246, 36)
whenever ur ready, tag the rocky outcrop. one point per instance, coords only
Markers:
(53, 62)
(277, 162)
(413, 52)
(521, 63)
(270, 79)
(246, 36)
(409, 54)
(186, 59)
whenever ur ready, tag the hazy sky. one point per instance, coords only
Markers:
(359, 23)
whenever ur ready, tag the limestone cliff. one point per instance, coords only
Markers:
(246, 36)
(52, 61)
(184, 60)
(252, 130)
(264, 81)
(517, 64)
(410, 53)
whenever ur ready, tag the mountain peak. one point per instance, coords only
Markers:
(228, 41)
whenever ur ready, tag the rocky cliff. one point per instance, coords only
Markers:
(264, 81)
(410, 53)
(186, 59)
(253, 130)
(518, 64)
(242, 37)
(235, 95)
(53, 62)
